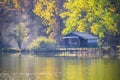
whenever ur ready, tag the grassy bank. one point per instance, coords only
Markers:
(13, 50)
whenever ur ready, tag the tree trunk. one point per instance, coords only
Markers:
(59, 25)
(1, 44)
(19, 44)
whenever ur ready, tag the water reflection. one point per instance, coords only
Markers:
(34, 67)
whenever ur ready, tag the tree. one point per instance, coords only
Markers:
(48, 11)
(19, 33)
(42, 43)
(6, 17)
(5, 20)
(99, 17)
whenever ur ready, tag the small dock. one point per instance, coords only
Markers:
(80, 52)
(72, 52)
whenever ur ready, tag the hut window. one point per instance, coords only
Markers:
(92, 41)
(73, 41)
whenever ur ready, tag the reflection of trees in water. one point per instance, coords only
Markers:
(112, 51)
(27, 66)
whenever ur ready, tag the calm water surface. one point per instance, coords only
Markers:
(33, 67)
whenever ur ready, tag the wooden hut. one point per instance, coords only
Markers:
(80, 39)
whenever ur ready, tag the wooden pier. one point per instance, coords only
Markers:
(80, 52)
(72, 52)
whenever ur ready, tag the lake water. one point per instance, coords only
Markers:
(34, 67)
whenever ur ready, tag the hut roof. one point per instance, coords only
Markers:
(81, 34)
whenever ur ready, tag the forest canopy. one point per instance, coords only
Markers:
(99, 17)
(55, 18)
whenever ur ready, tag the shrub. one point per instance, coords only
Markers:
(42, 43)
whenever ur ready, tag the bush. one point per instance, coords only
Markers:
(42, 43)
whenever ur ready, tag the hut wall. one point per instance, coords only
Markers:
(72, 42)
(92, 42)
(83, 42)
